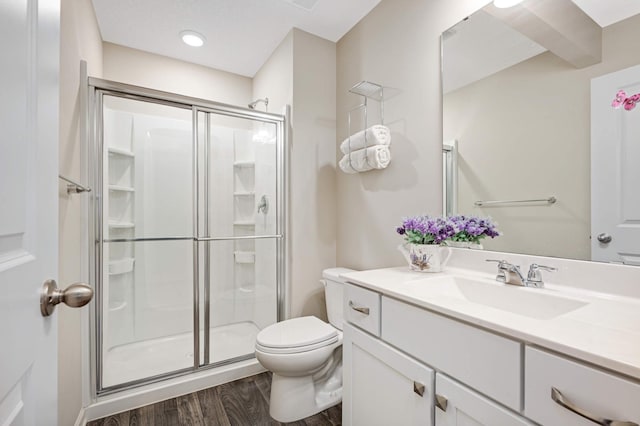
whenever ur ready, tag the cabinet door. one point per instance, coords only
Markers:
(458, 405)
(383, 386)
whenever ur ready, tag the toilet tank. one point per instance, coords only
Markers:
(333, 291)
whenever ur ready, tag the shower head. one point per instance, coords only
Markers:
(253, 104)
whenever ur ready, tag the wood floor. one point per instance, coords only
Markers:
(244, 402)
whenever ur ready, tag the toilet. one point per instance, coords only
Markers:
(305, 356)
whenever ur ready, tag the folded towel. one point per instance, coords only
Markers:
(375, 157)
(376, 135)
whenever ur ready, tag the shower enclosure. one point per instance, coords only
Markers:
(187, 232)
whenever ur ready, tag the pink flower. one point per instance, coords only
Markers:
(630, 102)
(621, 99)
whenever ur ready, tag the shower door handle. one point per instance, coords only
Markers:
(74, 296)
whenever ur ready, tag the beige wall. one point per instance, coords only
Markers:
(157, 72)
(533, 140)
(396, 45)
(312, 182)
(79, 40)
(274, 80)
(301, 73)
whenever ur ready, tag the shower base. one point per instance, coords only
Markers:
(148, 358)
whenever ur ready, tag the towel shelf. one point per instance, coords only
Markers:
(367, 90)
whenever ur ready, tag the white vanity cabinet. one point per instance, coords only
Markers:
(383, 386)
(471, 376)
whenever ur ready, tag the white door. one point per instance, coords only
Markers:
(29, 33)
(615, 156)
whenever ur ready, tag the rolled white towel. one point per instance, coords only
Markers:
(362, 160)
(376, 135)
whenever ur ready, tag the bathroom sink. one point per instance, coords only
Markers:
(530, 302)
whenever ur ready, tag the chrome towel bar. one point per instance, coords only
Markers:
(550, 200)
(74, 187)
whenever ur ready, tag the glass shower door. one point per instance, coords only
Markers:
(239, 232)
(146, 297)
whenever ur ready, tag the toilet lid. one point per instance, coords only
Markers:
(296, 333)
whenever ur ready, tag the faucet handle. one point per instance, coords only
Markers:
(501, 268)
(534, 276)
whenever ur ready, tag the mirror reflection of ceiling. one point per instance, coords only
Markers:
(485, 45)
(240, 34)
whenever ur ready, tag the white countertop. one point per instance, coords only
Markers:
(604, 329)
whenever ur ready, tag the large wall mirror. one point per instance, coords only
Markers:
(527, 94)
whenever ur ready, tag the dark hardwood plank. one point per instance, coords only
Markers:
(143, 416)
(244, 403)
(189, 412)
(329, 417)
(213, 412)
(166, 413)
(263, 382)
(120, 419)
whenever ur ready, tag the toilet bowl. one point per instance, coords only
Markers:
(305, 356)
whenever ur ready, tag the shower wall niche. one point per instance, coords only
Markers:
(188, 262)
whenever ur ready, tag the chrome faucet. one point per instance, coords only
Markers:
(511, 274)
(534, 277)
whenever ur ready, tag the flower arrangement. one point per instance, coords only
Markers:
(472, 229)
(437, 230)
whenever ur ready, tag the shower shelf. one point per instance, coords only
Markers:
(121, 266)
(120, 151)
(244, 194)
(244, 223)
(244, 256)
(121, 188)
(244, 164)
(121, 225)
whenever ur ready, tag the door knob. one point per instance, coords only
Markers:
(74, 296)
(604, 238)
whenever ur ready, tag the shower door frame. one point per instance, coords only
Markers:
(98, 88)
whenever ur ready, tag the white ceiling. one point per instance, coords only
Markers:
(483, 45)
(240, 34)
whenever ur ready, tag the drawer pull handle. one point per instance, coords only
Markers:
(559, 399)
(418, 388)
(441, 402)
(358, 308)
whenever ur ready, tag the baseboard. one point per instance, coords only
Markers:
(82, 418)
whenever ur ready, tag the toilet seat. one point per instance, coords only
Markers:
(296, 335)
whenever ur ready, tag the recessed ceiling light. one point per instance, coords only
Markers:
(192, 38)
(503, 4)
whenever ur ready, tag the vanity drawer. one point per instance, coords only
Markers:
(484, 361)
(594, 391)
(362, 308)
